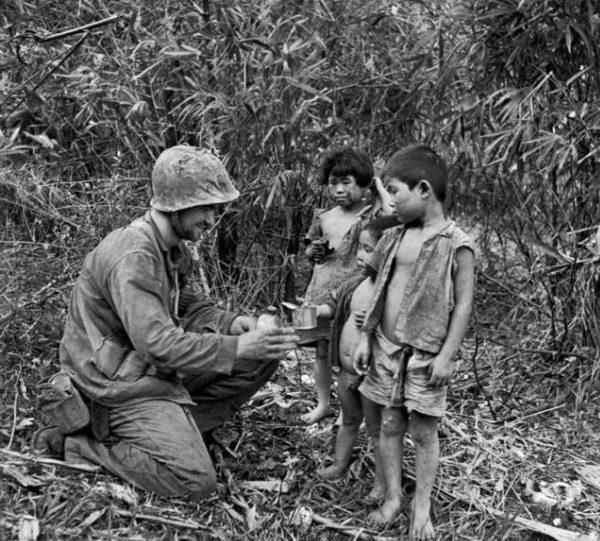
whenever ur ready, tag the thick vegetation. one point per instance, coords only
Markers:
(507, 90)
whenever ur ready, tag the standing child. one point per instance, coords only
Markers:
(331, 245)
(347, 307)
(413, 328)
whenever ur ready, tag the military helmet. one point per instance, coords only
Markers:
(186, 176)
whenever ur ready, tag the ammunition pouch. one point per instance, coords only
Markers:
(62, 404)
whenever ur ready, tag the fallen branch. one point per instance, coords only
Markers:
(191, 524)
(356, 533)
(14, 423)
(559, 534)
(88, 468)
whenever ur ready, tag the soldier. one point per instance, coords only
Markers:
(155, 363)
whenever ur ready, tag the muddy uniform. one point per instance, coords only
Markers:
(155, 359)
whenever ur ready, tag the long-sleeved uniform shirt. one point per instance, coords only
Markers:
(123, 338)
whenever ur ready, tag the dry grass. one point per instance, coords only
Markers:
(269, 91)
(481, 487)
(521, 414)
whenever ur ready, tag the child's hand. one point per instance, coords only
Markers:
(440, 371)
(317, 253)
(319, 250)
(359, 318)
(324, 311)
(362, 356)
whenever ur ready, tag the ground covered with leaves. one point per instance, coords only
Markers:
(520, 445)
(507, 91)
(511, 465)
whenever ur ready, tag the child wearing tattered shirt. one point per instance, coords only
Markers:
(413, 328)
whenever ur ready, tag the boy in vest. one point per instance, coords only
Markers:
(413, 328)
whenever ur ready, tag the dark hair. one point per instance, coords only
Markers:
(346, 161)
(378, 225)
(419, 162)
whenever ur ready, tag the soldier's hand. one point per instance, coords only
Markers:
(242, 324)
(267, 344)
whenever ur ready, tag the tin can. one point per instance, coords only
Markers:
(305, 317)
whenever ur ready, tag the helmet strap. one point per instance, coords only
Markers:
(175, 219)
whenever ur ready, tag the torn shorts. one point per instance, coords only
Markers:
(399, 377)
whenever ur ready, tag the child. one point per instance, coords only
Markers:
(332, 242)
(414, 325)
(347, 308)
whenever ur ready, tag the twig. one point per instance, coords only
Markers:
(518, 295)
(89, 26)
(356, 533)
(539, 351)
(52, 461)
(476, 374)
(57, 65)
(14, 423)
(558, 533)
(40, 210)
(191, 524)
(534, 413)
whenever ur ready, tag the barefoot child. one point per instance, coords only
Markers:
(332, 242)
(347, 308)
(413, 328)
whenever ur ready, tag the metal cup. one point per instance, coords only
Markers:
(305, 317)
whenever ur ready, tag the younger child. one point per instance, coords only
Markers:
(347, 308)
(413, 328)
(332, 242)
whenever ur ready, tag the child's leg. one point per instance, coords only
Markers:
(393, 427)
(322, 372)
(372, 412)
(423, 429)
(347, 432)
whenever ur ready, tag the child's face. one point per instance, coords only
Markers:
(408, 204)
(344, 190)
(366, 246)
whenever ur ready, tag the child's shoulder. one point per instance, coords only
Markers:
(318, 212)
(391, 234)
(460, 239)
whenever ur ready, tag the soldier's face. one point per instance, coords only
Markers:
(195, 222)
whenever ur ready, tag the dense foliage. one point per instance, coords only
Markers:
(507, 90)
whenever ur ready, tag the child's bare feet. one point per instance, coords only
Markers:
(385, 515)
(315, 415)
(376, 494)
(421, 527)
(335, 471)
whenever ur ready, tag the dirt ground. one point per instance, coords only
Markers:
(520, 446)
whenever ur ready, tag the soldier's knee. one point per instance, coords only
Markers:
(201, 483)
(393, 422)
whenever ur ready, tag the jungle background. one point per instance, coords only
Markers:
(508, 91)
